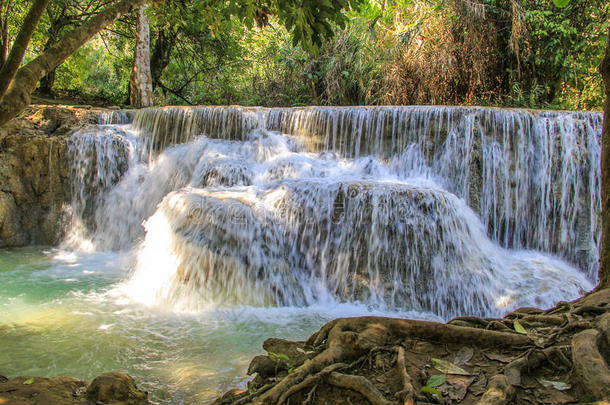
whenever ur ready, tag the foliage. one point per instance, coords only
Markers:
(521, 53)
(92, 72)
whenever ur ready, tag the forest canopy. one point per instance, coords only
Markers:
(522, 53)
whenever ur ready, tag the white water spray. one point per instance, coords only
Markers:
(356, 204)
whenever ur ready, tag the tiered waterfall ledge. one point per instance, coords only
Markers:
(35, 173)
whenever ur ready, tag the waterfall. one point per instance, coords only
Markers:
(398, 207)
(99, 156)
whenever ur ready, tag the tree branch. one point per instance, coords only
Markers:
(10, 67)
(24, 83)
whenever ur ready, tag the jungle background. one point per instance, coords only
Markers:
(516, 53)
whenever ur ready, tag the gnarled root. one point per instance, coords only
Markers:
(533, 359)
(405, 328)
(348, 338)
(589, 365)
(558, 359)
(407, 395)
(310, 381)
(361, 385)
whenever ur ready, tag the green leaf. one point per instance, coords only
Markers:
(28, 381)
(519, 328)
(447, 367)
(432, 391)
(280, 356)
(436, 380)
(558, 385)
(561, 3)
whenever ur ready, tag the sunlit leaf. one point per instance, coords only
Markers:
(519, 328)
(432, 391)
(28, 381)
(280, 356)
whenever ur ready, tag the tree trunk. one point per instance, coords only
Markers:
(46, 83)
(3, 36)
(24, 83)
(140, 83)
(604, 267)
(161, 54)
(13, 61)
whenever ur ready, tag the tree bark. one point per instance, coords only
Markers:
(161, 53)
(140, 83)
(58, 21)
(604, 266)
(13, 61)
(5, 9)
(46, 83)
(24, 83)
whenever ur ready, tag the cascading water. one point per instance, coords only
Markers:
(198, 233)
(302, 206)
(533, 177)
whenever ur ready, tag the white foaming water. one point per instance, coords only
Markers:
(262, 218)
(532, 176)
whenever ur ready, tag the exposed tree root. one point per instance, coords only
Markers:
(407, 394)
(311, 380)
(361, 385)
(560, 358)
(533, 359)
(589, 365)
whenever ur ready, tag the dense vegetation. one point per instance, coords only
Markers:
(527, 53)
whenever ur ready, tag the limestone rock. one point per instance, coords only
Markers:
(116, 389)
(35, 175)
(41, 391)
(11, 232)
(108, 389)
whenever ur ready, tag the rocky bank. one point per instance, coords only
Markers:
(108, 388)
(531, 356)
(34, 173)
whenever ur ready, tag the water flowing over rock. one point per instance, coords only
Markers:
(532, 176)
(399, 207)
(35, 175)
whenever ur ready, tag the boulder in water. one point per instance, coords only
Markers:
(116, 388)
